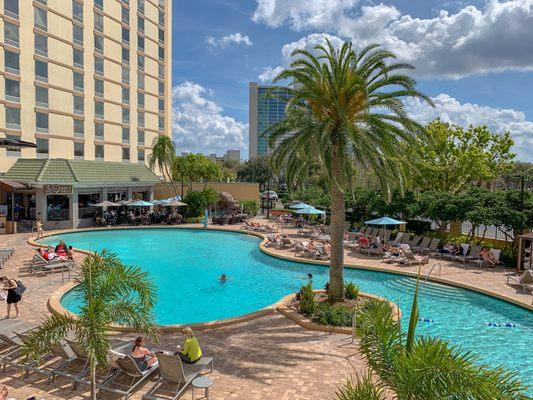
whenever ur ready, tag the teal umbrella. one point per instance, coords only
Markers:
(385, 221)
(300, 206)
(141, 203)
(310, 211)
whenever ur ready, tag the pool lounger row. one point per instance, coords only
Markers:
(5, 254)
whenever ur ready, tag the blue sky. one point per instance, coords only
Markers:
(474, 58)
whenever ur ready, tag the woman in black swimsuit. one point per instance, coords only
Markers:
(143, 357)
(13, 297)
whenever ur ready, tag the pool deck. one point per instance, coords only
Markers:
(267, 358)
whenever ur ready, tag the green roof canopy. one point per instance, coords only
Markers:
(79, 172)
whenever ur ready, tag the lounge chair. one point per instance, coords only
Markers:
(423, 246)
(287, 243)
(398, 238)
(496, 253)
(410, 259)
(386, 236)
(321, 254)
(5, 254)
(415, 241)
(177, 374)
(72, 366)
(525, 280)
(406, 239)
(127, 378)
(465, 254)
(473, 255)
(39, 264)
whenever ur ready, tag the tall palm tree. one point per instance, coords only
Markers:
(162, 157)
(345, 110)
(421, 368)
(111, 293)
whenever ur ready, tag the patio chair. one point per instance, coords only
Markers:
(39, 264)
(411, 259)
(363, 230)
(72, 366)
(176, 374)
(127, 378)
(406, 239)
(321, 253)
(398, 237)
(466, 252)
(373, 251)
(433, 245)
(5, 254)
(386, 236)
(473, 255)
(287, 243)
(415, 241)
(423, 246)
(496, 253)
(525, 281)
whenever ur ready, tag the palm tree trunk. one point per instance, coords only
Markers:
(338, 216)
(93, 380)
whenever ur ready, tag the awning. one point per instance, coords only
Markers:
(8, 185)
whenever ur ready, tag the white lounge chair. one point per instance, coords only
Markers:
(525, 280)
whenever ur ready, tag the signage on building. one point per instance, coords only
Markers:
(51, 190)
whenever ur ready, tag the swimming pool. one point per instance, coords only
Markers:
(185, 266)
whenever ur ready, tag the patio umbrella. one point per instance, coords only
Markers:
(124, 202)
(300, 206)
(175, 203)
(384, 221)
(310, 211)
(106, 204)
(141, 203)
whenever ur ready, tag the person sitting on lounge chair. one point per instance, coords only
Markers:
(191, 351)
(457, 250)
(486, 255)
(448, 248)
(143, 357)
(363, 242)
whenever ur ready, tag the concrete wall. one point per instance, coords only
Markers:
(239, 190)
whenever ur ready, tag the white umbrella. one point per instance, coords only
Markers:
(174, 203)
(106, 204)
(140, 203)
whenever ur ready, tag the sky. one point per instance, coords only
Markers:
(473, 58)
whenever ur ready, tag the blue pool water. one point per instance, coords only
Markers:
(185, 266)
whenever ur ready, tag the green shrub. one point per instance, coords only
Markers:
(306, 298)
(194, 220)
(337, 315)
(351, 290)
(198, 201)
(250, 207)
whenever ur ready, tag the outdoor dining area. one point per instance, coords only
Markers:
(138, 212)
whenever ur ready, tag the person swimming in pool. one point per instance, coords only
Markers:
(223, 278)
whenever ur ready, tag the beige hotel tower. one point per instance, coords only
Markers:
(84, 79)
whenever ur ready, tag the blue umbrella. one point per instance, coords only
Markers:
(141, 203)
(300, 206)
(385, 221)
(309, 210)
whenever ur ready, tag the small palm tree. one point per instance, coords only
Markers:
(422, 368)
(345, 111)
(111, 293)
(162, 157)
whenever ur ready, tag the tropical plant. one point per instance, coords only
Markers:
(345, 111)
(110, 293)
(421, 368)
(306, 300)
(198, 201)
(351, 290)
(162, 157)
(250, 207)
(328, 314)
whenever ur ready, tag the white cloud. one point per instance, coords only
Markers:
(499, 120)
(269, 74)
(226, 41)
(470, 41)
(199, 124)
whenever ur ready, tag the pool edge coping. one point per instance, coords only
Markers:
(55, 307)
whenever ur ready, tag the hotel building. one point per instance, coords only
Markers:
(264, 111)
(84, 79)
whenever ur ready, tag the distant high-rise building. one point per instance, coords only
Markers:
(232, 155)
(264, 112)
(85, 80)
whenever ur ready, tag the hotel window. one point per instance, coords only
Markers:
(77, 34)
(125, 95)
(41, 97)
(140, 137)
(79, 150)
(11, 8)
(98, 22)
(41, 122)
(77, 58)
(42, 146)
(99, 131)
(161, 123)
(161, 35)
(99, 4)
(125, 55)
(13, 152)
(140, 6)
(11, 34)
(140, 62)
(140, 42)
(140, 156)
(126, 15)
(41, 71)
(161, 105)
(12, 118)
(125, 75)
(125, 135)
(140, 23)
(161, 53)
(41, 45)
(99, 109)
(12, 89)
(125, 35)
(125, 154)
(99, 66)
(161, 88)
(140, 119)
(125, 115)
(99, 151)
(11, 62)
(78, 105)
(140, 81)
(40, 18)
(77, 11)
(79, 128)
(161, 18)
(140, 100)
(161, 71)
(99, 44)
(77, 80)
(99, 88)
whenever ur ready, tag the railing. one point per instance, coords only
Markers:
(436, 265)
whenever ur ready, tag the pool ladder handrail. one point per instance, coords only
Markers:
(439, 265)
